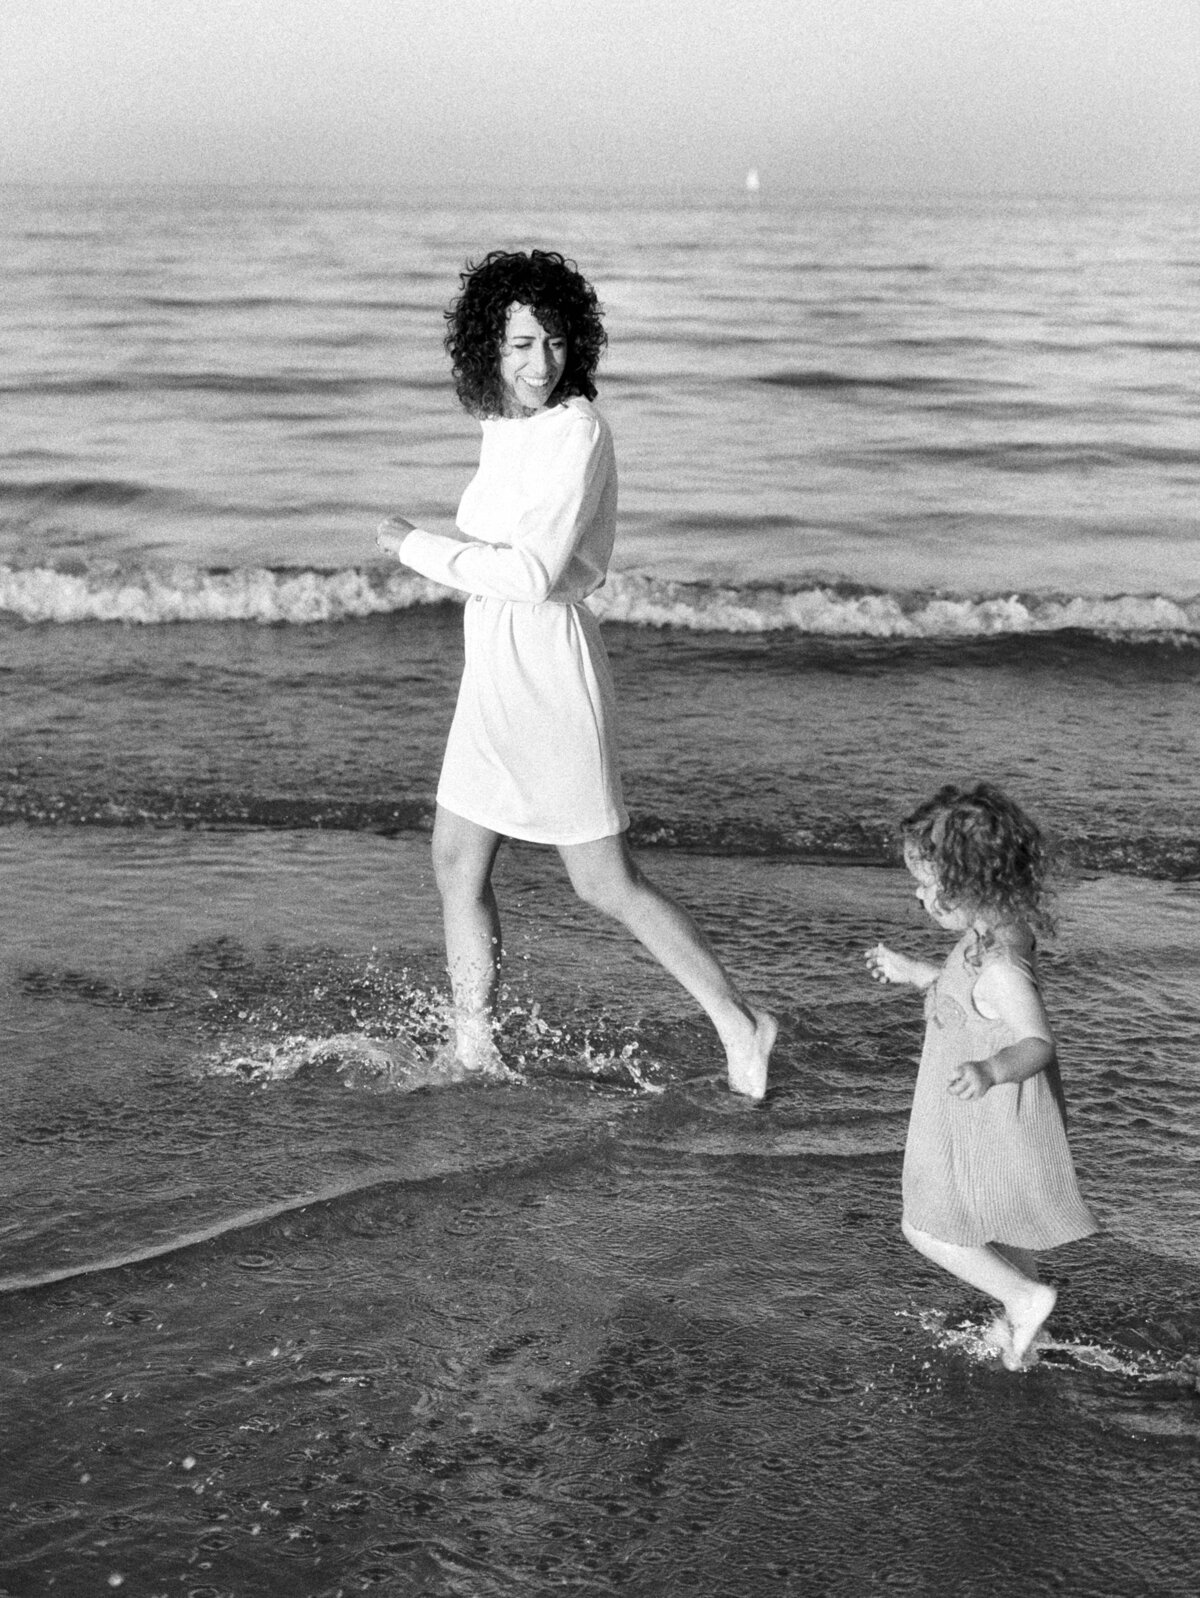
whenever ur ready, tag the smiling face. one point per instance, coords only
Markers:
(954, 918)
(532, 362)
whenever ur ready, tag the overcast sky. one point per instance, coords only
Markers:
(1041, 96)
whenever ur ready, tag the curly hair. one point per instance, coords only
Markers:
(986, 853)
(563, 301)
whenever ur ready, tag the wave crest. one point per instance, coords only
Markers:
(150, 596)
(179, 594)
(842, 610)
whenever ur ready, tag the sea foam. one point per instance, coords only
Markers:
(154, 596)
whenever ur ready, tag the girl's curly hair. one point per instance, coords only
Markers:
(986, 853)
(563, 301)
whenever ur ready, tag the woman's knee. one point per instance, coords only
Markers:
(607, 882)
(447, 866)
(592, 887)
(463, 857)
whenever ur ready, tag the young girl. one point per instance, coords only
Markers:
(532, 748)
(988, 1177)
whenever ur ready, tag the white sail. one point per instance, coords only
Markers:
(752, 184)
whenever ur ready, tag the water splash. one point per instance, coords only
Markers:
(414, 1050)
(365, 1063)
(974, 1340)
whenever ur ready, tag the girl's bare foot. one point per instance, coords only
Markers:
(748, 1058)
(1027, 1320)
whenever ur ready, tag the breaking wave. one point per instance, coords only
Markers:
(273, 596)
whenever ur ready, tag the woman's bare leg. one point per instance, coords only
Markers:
(1027, 1302)
(463, 856)
(605, 875)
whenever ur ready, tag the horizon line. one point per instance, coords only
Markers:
(474, 191)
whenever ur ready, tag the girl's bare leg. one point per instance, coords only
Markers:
(1027, 1302)
(463, 856)
(999, 1334)
(1023, 1258)
(605, 875)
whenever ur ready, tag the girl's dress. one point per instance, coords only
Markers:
(532, 750)
(995, 1169)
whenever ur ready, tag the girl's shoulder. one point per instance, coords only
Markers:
(1008, 948)
(1013, 941)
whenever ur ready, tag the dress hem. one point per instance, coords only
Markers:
(528, 835)
(1059, 1241)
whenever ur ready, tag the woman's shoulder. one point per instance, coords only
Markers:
(579, 412)
(575, 427)
(562, 431)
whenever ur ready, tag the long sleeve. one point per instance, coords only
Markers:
(538, 520)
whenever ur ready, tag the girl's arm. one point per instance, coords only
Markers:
(543, 541)
(885, 965)
(1006, 993)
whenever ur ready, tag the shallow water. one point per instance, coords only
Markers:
(908, 496)
(569, 1334)
(787, 745)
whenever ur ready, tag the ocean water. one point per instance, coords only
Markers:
(908, 494)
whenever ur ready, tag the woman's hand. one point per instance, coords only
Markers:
(391, 533)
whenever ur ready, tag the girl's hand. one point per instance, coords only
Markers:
(391, 533)
(885, 965)
(971, 1079)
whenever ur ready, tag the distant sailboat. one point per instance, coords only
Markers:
(752, 184)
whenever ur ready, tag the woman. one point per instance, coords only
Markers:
(532, 749)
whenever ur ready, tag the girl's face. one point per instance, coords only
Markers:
(953, 918)
(531, 362)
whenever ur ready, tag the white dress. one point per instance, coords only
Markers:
(532, 749)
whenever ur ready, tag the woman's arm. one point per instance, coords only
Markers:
(391, 533)
(546, 534)
(1006, 993)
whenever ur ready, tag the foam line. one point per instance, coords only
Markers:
(152, 596)
(205, 1234)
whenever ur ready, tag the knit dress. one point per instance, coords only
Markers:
(995, 1169)
(532, 751)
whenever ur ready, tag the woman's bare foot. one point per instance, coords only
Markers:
(472, 1047)
(1026, 1321)
(998, 1337)
(748, 1056)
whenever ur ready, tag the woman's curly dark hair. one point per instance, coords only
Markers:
(563, 301)
(986, 853)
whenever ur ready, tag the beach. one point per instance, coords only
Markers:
(907, 497)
